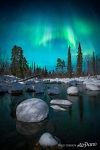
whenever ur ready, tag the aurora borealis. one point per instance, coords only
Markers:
(45, 29)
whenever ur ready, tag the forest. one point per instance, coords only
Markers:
(19, 66)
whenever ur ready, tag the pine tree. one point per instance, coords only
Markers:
(79, 61)
(34, 67)
(94, 64)
(60, 65)
(19, 66)
(69, 64)
(45, 72)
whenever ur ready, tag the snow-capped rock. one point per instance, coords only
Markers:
(47, 140)
(57, 107)
(92, 87)
(72, 90)
(54, 90)
(32, 110)
(61, 102)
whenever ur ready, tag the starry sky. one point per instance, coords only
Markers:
(45, 28)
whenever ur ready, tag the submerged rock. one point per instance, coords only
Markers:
(73, 90)
(47, 140)
(32, 110)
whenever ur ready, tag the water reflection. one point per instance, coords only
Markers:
(91, 93)
(81, 108)
(30, 128)
(74, 124)
(73, 99)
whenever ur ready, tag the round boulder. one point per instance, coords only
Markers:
(32, 110)
(47, 139)
(73, 90)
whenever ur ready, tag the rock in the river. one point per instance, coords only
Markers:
(72, 90)
(47, 140)
(16, 88)
(92, 87)
(32, 110)
(39, 87)
(61, 102)
(30, 88)
(54, 90)
(3, 90)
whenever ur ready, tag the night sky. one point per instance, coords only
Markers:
(45, 29)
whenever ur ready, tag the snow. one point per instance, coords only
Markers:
(61, 102)
(57, 107)
(32, 110)
(11, 84)
(47, 140)
(72, 90)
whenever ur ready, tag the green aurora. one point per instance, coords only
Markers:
(44, 38)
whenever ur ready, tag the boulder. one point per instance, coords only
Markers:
(92, 87)
(73, 90)
(39, 87)
(61, 102)
(47, 140)
(32, 110)
(16, 88)
(54, 90)
(30, 88)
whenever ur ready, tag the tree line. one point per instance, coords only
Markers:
(20, 67)
(88, 65)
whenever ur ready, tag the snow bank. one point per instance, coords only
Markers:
(47, 140)
(32, 110)
(72, 90)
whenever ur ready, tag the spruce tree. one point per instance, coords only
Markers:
(79, 61)
(19, 66)
(45, 72)
(94, 64)
(69, 63)
(34, 67)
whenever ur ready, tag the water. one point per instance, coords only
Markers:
(80, 123)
